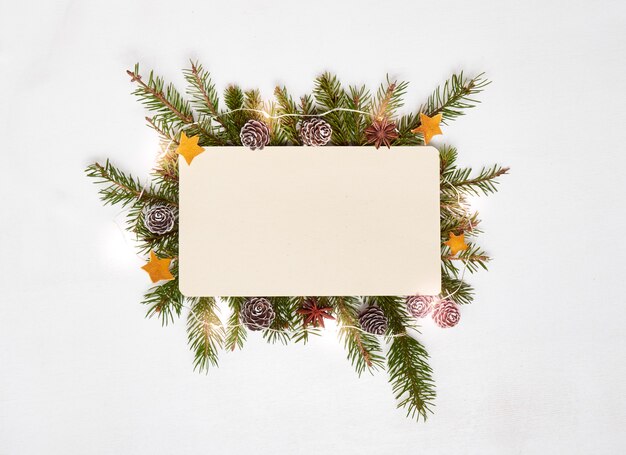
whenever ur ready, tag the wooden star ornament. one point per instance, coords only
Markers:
(429, 127)
(158, 269)
(456, 243)
(188, 147)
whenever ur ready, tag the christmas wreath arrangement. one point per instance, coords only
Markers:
(379, 332)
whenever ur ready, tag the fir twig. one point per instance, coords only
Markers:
(407, 361)
(205, 332)
(364, 351)
(236, 333)
(281, 323)
(451, 100)
(165, 300)
(330, 95)
(122, 188)
(288, 107)
(164, 100)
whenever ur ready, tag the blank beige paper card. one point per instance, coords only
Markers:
(323, 221)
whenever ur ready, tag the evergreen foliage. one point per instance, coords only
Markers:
(205, 332)
(354, 109)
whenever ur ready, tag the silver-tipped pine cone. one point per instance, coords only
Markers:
(254, 135)
(159, 219)
(373, 320)
(446, 314)
(257, 313)
(419, 306)
(315, 132)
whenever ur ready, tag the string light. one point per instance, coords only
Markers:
(267, 115)
(340, 327)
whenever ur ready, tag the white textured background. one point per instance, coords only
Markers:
(537, 363)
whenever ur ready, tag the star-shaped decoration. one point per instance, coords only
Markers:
(429, 127)
(456, 243)
(158, 269)
(314, 314)
(381, 132)
(189, 147)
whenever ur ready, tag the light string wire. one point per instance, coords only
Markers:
(279, 116)
(269, 329)
(267, 115)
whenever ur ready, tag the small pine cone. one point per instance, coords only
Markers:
(255, 134)
(315, 132)
(446, 314)
(159, 219)
(373, 320)
(257, 313)
(419, 306)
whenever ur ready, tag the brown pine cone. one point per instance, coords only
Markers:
(315, 132)
(373, 320)
(257, 313)
(159, 218)
(446, 314)
(419, 306)
(255, 134)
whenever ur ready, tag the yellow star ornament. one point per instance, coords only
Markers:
(188, 147)
(429, 127)
(158, 269)
(456, 243)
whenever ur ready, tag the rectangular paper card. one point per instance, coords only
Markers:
(310, 221)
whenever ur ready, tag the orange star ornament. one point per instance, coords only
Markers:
(456, 243)
(188, 147)
(429, 127)
(158, 269)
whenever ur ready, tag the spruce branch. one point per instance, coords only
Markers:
(287, 107)
(164, 130)
(460, 291)
(451, 101)
(388, 99)
(364, 351)
(411, 376)
(165, 300)
(358, 99)
(234, 121)
(330, 95)
(407, 361)
(485, 182)
(454, 97)
(473, 258)
(252, 100)
(164, 100)
(282, 321)
(122, 188)
(236, 333)
(204, 96)
(205, 332)
(405, 136)
(307, 105)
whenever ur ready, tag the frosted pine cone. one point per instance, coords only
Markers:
(315, 132)
(419, 306)
(255, 134)
(257, 313)
(159, 219)
(446, 314)
(373, 320)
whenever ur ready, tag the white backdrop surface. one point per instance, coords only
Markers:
(537, 363)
